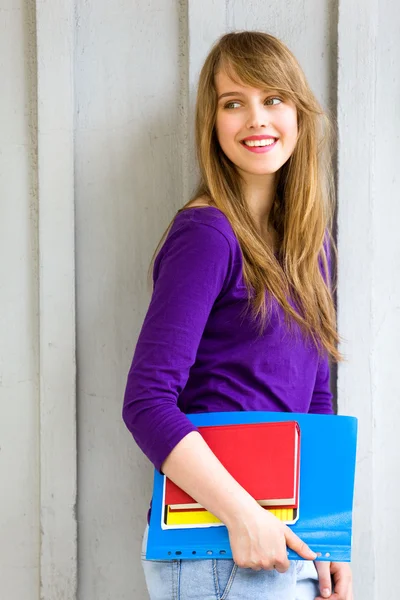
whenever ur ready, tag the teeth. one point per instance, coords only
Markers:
(259, 142)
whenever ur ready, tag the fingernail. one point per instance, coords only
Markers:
(326, 593)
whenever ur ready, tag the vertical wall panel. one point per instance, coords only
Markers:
(19, 380)
(356, 243)
(131, 119)
(55, 51)
(386, 298)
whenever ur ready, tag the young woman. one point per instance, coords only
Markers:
(241, 316)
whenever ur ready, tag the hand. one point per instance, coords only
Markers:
(259, 540)
(342, 580)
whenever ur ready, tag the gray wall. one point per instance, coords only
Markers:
(369, 289)
(96, 155)
(19, 383)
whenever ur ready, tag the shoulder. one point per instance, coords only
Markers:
(206, 218)
(200, 238)
(196, 252)
(199, 202)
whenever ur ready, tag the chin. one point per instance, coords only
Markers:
(261, 170)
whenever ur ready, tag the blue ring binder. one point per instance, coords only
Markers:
(328, 453)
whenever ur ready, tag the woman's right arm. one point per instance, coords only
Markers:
(194, 269)
(258, 539)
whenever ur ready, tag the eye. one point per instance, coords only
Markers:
(229, 105)
(272, 100)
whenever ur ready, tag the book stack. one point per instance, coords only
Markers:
(263, 457)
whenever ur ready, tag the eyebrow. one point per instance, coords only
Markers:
(230, 94)
(226, 94)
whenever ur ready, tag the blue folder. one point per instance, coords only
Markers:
(327, 469)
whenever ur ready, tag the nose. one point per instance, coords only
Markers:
(257, 117)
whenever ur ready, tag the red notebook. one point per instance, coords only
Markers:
(263, 457)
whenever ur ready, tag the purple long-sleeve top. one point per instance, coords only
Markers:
(199, 351)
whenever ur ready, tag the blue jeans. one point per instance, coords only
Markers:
(221, 579)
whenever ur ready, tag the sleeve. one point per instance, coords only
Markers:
(189, 274)
(321, 401)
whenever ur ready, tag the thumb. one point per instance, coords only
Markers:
(324, 578)
(296, 544)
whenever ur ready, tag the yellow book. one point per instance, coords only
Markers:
(203, 517)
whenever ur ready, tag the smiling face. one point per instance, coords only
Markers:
(264, 118)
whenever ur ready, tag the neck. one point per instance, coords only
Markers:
(259, 193)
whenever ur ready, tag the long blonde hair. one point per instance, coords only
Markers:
(303, 209)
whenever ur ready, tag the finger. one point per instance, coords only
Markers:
(339, 596)
(342, 581)
(335, 596)
(296, 544)
(282, 566)
(343, 589)
(324, 578)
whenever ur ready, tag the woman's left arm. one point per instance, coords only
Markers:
(321, 400)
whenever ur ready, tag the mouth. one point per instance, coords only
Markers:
(260, 146)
